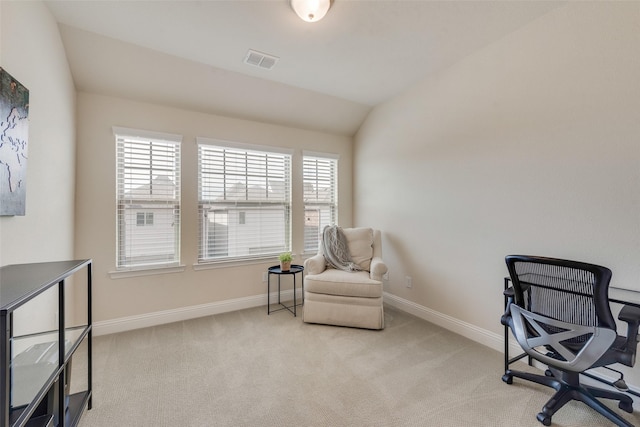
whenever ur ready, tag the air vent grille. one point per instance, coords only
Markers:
(259, 59)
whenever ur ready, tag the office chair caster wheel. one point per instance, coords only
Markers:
(626, 406)
(545, 420)
(507, 378)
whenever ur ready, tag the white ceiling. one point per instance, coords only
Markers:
(189, 54)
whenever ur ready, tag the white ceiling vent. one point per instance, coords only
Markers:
(259, 59)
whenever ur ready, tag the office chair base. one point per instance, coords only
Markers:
(545, 420)
(568, 388)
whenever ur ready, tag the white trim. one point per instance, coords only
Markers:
(467, 330)
(147, 320)
(474, 333)
(320, 155)
(210, 265)
(146, 134)
(124, 274)
(243, 146)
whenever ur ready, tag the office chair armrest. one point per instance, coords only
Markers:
(631, 315)
(509, 294)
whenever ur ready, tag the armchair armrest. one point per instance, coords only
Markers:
(378, 268)
(315, 265)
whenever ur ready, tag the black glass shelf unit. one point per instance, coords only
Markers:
(45, 327)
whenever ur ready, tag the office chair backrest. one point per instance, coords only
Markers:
(569, 291)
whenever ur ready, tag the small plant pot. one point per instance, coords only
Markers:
(285, 265)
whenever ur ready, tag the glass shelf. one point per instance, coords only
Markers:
(36, 361)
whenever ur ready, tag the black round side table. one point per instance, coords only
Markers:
(295, 269)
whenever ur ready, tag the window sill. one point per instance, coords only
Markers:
(124, 274)
(233, 263)
(271, 260)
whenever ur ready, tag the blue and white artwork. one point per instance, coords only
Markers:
(14, 131)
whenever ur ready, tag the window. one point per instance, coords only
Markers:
(244, 201)
(144, 218)
(148, 199)
(140, 219)
(320, 181)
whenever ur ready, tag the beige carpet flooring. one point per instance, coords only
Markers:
(248, 369)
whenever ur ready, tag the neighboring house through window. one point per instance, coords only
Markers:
(244, 201)
(148, 199)
(320, 181)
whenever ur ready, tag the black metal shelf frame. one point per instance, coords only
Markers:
(52, 404)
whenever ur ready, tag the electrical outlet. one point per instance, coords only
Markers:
(264, 277)
(409, 281)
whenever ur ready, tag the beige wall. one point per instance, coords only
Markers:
(31, 51)
(529, 145)
(95, 207)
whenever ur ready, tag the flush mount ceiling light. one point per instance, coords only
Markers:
(311, 10)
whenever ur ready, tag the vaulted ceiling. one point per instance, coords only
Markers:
(190, 54)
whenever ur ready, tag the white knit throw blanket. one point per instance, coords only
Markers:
(335, 249)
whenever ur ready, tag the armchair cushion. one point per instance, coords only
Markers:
(360, 243)
(344, 283)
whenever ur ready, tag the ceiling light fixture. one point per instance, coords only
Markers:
(311, 10)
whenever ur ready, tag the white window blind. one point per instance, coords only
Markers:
(320, 180)
(148, 199)
(245, 202)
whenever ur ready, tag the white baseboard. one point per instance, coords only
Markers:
(482, 336)
(467, 330)
(146, 320)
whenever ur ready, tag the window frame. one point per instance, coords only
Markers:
(243, 207)
(171, 144)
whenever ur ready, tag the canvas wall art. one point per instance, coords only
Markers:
(14, 127)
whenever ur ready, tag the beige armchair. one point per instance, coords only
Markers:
(347, 298)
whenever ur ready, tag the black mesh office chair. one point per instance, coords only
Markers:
(559, 313)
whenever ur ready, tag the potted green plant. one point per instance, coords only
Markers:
(285, 261)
